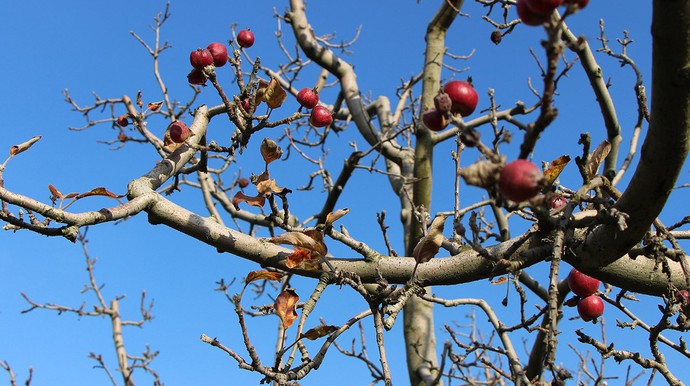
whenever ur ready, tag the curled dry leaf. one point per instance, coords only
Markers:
(555, 169)
(262, 275)
(100, 191)
(303, 259)
(268, 187)
(597, 156)
(483, 174)
(270, 150)
(430, 244)
(285, 307)
(500, 280)
(253, 201)
(319, 331)
(310, 239)
(16, 149)
(154, 106)
(271, 93)
(334, 216)
(55, 192)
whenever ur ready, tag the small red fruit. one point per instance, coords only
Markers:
(543, 7)
(246, 104)
(590, 307)
(557, 201)
(122, 120)
(200, 58)
(245, 38)
(196, 77)
(219, 52)
(527, 16)
(179, 132)
(520, 180)
(320, 116)
(307, 97)
(582, 284)
(463, 96)
(243, 182)
(434, 120)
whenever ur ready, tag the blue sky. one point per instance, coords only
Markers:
(86, 47)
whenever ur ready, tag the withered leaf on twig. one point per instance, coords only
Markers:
(271, 93)
(309, 248)
(270, 150)
(100, 191)
(154, 106)
(262, 275)
(319, 331)
(430, 244)
(253, 201)
(596, 157)
(555, 168)
(16, 149)
(482, 174)
(285, 307)
(334, 216)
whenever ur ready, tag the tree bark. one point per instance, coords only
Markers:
(666, 145)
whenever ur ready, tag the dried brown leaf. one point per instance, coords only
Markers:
(285, 307)
(311, 240)
(16, 149)
(55, 192)
(253, 201)
(273, 94)
(268, 187)
(304, 259)
(555, 169)
(270, 150)
(334, 216)
(262, 275)
(483, 174)
(319, 332)
(154, 106)
(500, 280)
(100, 191)
(596, 157)
(430, 244)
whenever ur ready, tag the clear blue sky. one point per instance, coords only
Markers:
(86, 46)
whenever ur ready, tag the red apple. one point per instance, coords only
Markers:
(307, 97)
(543, 7)
(582, 284)
(463, 96)
(200, 58)
(527, 16)
(320, 116)
(434, 120)
(179, 132)
(520, 180)
(196, 77)
(219, 52)
(245, 38)
(590, 307)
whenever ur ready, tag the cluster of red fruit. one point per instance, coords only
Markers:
(320, 115)
(456, 97)
(589, 305)
(537, 12)
(215, 54)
